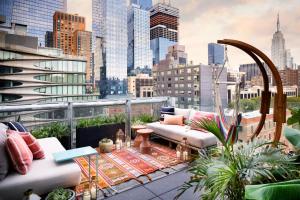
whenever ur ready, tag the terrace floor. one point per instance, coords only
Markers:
(161, 189)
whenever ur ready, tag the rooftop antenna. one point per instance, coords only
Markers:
(278, 22)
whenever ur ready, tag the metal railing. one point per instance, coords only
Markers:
(37, 115)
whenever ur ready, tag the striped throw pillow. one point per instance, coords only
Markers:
(19, 153)
(32, 143)
(17, 126)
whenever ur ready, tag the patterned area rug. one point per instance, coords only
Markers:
(126, 164)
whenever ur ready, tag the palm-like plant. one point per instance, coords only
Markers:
(224, 172)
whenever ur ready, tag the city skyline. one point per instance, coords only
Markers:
(250, 21)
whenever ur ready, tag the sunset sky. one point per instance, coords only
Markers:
(204, 21)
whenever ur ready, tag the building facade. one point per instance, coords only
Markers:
(139, 52)
(278, 51)
(29, 74)
(145, 4)
(49, 39)
(215, 54)
(110, 23)
(289, 77)
(191, 85)
(164, 23)
(140, 85)
(36, 15)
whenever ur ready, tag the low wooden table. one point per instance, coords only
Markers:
(138, 138)
(145, 146)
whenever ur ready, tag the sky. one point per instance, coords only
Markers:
(205, 21)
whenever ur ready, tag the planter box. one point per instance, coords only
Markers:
(91, 136)
(65, 141)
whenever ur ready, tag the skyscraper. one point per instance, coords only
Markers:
(139, 52)
(215, 54)
(37, 15)
(145, 4)
(69, 35)
(49, 39)
(278, 52)
(163, 29)
(110, 23)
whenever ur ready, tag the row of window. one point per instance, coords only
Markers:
(63, 65)
(62, 90)
(6, 55)
(62, 78)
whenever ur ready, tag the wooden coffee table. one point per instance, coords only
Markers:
(145, 146)
(138, 138)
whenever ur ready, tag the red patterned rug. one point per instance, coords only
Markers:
(126, 164)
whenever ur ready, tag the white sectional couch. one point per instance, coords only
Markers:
(44, 175)
(175, 133)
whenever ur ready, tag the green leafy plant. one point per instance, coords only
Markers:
(295, 118)
(59, 194)
(56, 129)
(101, 120)
(143, 119)
(223, 173)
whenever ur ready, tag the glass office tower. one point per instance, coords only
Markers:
(110, 23)
(37, 15)
(145, 4)
(215, 54)
(139, 52)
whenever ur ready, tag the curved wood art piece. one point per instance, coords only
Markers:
(279, 114)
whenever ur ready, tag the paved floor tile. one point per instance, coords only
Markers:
(139, 193)
(188, 195)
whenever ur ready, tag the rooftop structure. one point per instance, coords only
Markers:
(140, 85)
(215, 54)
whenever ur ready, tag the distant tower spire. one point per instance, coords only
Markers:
(278, 23)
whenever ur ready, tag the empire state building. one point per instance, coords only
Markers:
(278, 51)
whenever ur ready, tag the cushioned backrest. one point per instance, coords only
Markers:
(17, 126)
(166, 110)
(184, 112)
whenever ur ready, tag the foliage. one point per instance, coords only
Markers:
(295, 118)
(55, 129)
(106, 140)
(143, 119)
(59, 194)
(249, 104)
(223, 173)
(274, 191)
(101, 120)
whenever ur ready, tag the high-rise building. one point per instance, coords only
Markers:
(36, 15)
(49, 39)
(32, 74)
(69, 35)
(289, 59)
(65, 25)
(289, 77)
(190, 84)
(145, 4)
(278, 51)
(215, 54)
(163, 29)
(110, 23)
(139, 52)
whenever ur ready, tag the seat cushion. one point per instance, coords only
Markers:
(44, 175)
(19, 153)
(195, 138)
(4, 165)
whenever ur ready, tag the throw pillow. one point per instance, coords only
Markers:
(199, 116)
(32, 143)
(3, 127)
(166, 110)
(4, 164)
(17, 126)
(19, 153)
(173, 120)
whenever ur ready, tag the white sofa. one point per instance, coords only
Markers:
(44, 175)
(175, 133)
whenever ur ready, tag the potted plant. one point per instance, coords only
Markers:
(106, 145)
(224, 172)
(61, 194)
(59, 130)
(90, 131)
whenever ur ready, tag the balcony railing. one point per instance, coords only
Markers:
(38, 115)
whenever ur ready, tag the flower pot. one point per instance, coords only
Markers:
(72, 196)
(106, 147)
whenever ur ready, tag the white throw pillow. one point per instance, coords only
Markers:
(184, 112)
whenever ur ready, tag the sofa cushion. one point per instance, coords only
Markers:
(32, 144)
(19, 153)
(3, 127)
(184, 112)
(166, 110)
(4, 164)
(174, 132)
(17, 126)
(44, 176)
(173, 120)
